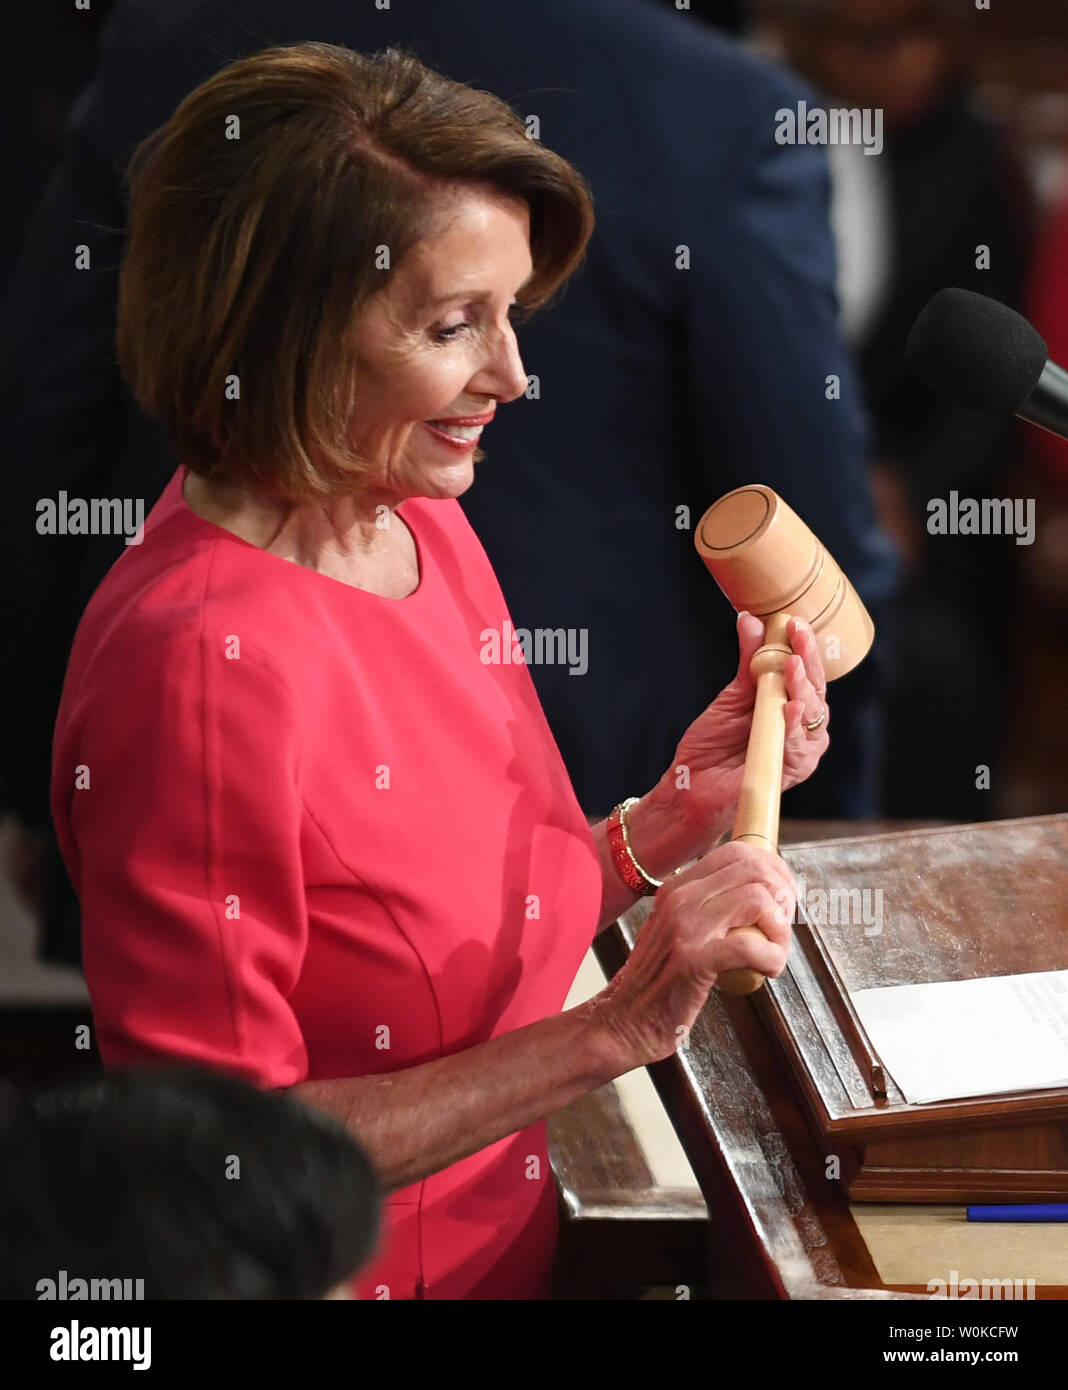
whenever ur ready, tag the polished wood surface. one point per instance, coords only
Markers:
(950, 900)
(620, 1231)
(780, 1227)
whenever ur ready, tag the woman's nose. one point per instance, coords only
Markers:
(504, 376)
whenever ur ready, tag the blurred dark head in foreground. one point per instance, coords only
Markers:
(200, 1185)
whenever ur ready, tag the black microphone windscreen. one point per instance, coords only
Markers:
(976, 351)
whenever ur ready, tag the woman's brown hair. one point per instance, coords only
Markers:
(258, 217)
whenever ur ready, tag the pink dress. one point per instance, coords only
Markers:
(314, 834)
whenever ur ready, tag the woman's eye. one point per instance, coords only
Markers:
(451, 331)
(448, 333)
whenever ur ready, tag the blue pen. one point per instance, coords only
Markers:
(1052, 1211)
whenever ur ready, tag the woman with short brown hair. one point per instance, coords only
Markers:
(264, 216)
(319, 829)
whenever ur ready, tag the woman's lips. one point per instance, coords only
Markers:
(462, 438)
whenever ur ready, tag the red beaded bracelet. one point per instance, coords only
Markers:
(630, 871)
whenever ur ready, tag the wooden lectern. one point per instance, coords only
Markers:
(772, 1086)
(957, 903)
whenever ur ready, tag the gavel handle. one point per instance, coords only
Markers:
(757, 818)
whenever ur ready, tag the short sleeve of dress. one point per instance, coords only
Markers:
(177, 803)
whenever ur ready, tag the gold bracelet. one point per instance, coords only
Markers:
(623, 857)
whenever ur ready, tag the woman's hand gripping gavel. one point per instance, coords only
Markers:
(690, 938)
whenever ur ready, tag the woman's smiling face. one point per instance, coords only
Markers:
(437, 345)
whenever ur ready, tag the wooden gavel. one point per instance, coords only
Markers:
(768, 563)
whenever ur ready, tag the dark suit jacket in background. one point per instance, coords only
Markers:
(953, 188)
(660, 388)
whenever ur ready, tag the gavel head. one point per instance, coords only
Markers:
(767, 561)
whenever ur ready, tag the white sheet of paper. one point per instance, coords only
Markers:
(971, 1037)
